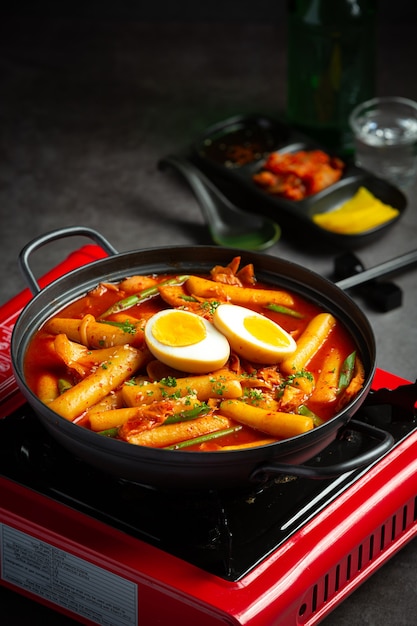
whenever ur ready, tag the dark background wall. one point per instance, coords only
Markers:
(183, 10)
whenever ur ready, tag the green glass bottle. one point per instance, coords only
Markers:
(331, 66)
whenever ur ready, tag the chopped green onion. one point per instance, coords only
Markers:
(109, 432)
(63, 385)
(346, 373)
(278, 308)
(142, 296)
(203, 438)
(168, 381)
(210, 306)
(292, 379)
(304, 410)
(188, 298)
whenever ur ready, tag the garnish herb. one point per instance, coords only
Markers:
(254, 395)
(219, 386)
(172, 396)
(126, 326)
(210, 306)
(169, 381)
(291, 379)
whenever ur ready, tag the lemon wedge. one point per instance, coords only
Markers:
(361, 213)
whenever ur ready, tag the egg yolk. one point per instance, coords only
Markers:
(264, 330)
(178, 330)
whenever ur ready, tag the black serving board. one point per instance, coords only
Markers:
(233, 150)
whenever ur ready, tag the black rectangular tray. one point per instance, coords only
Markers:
(233, 150)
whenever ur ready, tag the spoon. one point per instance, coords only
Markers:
(229, 226)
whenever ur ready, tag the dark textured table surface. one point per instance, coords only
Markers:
(89, 106)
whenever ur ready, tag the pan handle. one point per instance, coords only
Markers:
(53, 235)
(385, 442)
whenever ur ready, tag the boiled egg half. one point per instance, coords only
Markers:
(252, 335)
(186, 341)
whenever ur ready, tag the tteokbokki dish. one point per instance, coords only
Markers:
(192, 362)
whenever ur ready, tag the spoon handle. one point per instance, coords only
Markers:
(404, 260)
(200, 185)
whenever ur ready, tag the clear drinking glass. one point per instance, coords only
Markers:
(385, 136)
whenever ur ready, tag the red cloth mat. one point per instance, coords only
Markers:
(10, 396)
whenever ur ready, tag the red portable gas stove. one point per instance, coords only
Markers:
(107, 551)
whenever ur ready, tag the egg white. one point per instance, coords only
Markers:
(229, 320)
(202, 357)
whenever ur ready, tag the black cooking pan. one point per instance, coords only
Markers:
(186, 469)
